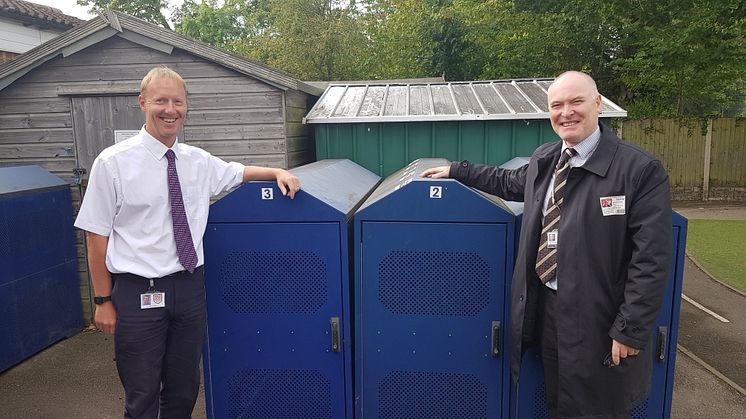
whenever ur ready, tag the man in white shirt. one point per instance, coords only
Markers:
(145, 213)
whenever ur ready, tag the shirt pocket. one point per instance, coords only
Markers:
(196, 202)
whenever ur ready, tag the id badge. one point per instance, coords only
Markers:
(552, 238)
(152, 299)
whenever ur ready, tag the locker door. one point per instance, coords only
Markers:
(429, 296)
(272, 290)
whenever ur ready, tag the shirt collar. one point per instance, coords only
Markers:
(155, 147)
(586, 147)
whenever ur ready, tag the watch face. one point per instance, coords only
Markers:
(101, 300)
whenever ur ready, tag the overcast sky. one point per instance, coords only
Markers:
(70, 7)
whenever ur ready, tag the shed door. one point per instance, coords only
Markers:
(95, 119)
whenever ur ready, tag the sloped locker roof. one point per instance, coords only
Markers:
(405, 196)
(458, 101)
(330, 191)
(18, 180)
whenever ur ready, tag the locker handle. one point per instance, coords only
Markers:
(662, 343)
(495, 339)
(334, 322)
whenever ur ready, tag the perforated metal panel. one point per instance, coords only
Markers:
(447, 395)
(286, 394)
(541, 408)
(37, 260)
(641, 411)
(434, 283)
(288, 282)
(278, 297)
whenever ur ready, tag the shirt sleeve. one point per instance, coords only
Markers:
(224, 176)
(99, 204)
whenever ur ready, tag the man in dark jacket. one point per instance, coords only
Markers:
(593, 258)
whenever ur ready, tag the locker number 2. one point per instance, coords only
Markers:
(267, 194)
(436, 192)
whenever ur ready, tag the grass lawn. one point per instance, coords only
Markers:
(720, 247)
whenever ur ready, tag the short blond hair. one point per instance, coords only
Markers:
(160, 72)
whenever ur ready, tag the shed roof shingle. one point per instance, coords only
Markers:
(37, 14)
(113, 23)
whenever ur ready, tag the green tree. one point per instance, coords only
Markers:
(312, 39)
(149, 10)
(397, 44)
(221, 23)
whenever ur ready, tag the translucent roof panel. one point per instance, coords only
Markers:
(474, 100)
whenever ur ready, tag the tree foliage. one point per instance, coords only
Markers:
(149, 10)
(312, 39)
(656, 58)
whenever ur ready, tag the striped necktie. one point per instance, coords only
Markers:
(546, 258)
(182, 234)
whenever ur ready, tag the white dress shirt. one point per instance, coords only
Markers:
(584, 151)
(127, 201)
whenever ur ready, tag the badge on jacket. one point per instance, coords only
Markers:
(612, 205)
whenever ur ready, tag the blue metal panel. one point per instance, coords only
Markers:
(278, 274)
(270, 302)
(528, 400)
(37, 256)
(431, 282)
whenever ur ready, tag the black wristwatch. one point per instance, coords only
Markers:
(101, 300)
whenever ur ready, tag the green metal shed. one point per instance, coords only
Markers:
(384, 126)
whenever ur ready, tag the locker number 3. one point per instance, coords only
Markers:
(267, 194)
(436, 192)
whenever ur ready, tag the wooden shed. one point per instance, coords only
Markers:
(64, 101)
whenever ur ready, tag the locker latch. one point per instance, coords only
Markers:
(334, 322)
(662, 343)
(495, 338)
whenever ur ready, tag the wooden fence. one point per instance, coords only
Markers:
(705, 158)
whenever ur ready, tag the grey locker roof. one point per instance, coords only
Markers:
(457, 101)
(411, 173)
(20, 179)
(341, 184)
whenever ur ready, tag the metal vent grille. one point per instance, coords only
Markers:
(641, 411)
(282, 282)
(281, 394)
(434, 283)
(406, 394)
(541, 410)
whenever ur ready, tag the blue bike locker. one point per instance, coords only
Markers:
(278, 296)
(39, 283)
(433, 260)
(528, 399)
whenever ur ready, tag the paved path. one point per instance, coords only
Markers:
(720, 344)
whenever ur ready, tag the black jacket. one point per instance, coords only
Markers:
(612, 270)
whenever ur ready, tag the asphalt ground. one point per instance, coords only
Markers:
(76, 378)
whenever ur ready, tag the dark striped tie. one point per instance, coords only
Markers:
(182, 234)
(546, 258)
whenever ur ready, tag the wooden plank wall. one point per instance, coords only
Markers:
(233, 116)
(682, 146)
(728, 170)
(301, 146)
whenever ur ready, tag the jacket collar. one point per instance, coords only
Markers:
(599, 161)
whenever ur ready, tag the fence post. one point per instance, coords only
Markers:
(708, 150)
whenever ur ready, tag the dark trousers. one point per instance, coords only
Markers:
(158, 350)
(549, 311)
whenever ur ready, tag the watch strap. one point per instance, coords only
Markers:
(101, 300)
